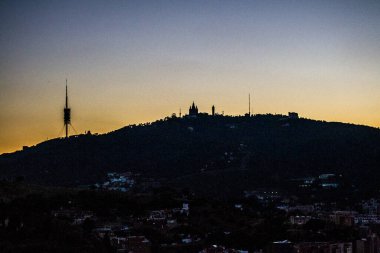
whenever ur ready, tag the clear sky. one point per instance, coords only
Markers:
(137, 61)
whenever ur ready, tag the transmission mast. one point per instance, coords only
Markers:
(249, 104)
(67, 114)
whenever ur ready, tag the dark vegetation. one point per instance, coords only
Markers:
(215, 155)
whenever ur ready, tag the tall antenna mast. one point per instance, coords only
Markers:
(67, 114)
(66, 105)
(249, 104)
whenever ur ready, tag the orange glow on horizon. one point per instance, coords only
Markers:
(130, 62)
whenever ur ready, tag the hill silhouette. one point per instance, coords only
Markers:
(224, 154)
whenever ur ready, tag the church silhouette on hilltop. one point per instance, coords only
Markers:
(193, 111)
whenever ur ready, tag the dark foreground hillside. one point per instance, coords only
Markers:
(51, 219)
(210, 154)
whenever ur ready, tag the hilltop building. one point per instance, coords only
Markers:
(293, 115)
(193, 110)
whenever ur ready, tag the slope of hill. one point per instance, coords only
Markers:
(213, 153)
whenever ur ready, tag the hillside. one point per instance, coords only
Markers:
(211, 153)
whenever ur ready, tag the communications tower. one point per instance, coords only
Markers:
(67, 114)
(249, 105)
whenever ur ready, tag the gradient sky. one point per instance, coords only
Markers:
(137, 61)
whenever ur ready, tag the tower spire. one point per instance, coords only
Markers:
(67, 114)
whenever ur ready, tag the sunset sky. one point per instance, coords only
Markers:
(138, 61)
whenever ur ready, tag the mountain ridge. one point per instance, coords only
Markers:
(252, 151)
